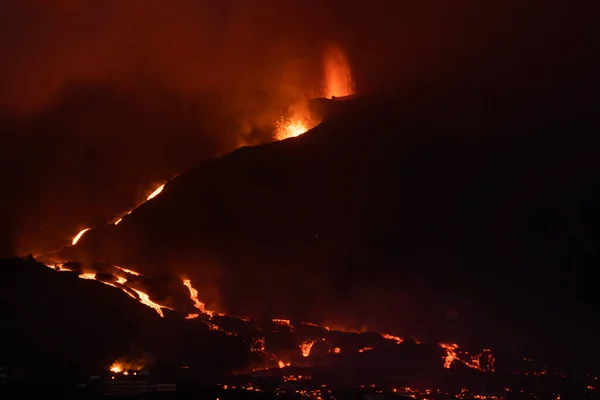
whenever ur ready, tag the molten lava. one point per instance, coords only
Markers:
(79, 235)
(338, 77)
(150, 197)
(285, 322)
(145, 299)
(288, 128)
(128, 271)
(397, 339)
(197, 303)
(450, 353)
(156, 192)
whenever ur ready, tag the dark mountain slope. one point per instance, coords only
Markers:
(454, 217)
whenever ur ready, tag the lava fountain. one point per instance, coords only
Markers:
(338, 77)
(287, 127)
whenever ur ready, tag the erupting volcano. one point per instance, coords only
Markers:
(289, 200)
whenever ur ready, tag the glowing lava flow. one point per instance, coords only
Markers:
(128, 271)
(450, 353)
(284, 322)
(150, 197)
(156, 192)
(485, 361)
(79, 235)
(197, 303)
(145, 299)
(392, 337)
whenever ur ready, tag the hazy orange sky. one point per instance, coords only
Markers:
(265, 45)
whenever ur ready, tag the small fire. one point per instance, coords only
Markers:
(368, 348)
(79, 235)
(283, 364)
(121, 366)
(194, 296)
(116, 368)
(306, 346)
(337, 350)
(288, 128)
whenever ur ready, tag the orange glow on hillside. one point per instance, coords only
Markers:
(338, 77)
